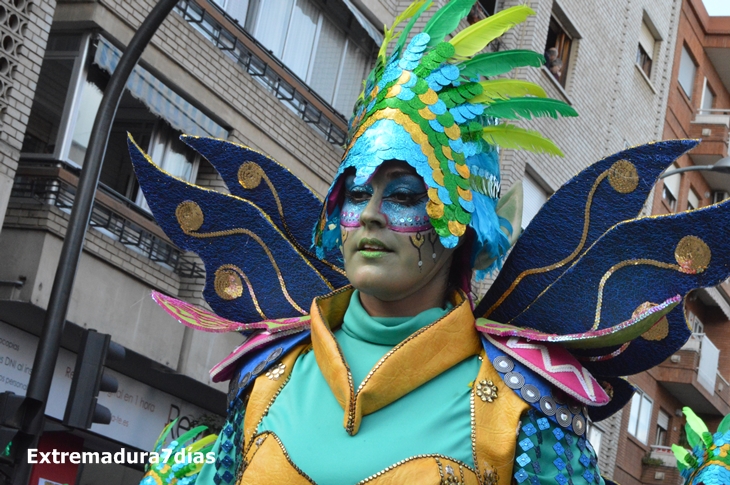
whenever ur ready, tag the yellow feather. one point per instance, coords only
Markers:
(510, 136)
(476, 37)
(507, 88)
(388, 34)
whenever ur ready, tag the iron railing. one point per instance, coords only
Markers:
(271, 72)
(55, 191)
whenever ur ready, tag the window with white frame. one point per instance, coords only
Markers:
(662, 429)
(670, 190)
(326, 49)
(640, 416)
(70, 87)
(693, 200)
(534, 197)
(687, 72)
(646, 48)
(595, 436)
(708, 99)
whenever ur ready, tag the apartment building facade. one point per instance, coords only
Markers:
(696, 376)
(279, 76)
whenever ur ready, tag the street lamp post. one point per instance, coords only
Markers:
(721, 166)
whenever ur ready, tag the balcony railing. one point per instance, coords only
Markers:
(254, 58)
(52, 185)
(663, 453)
(692, 376)
(713, 126)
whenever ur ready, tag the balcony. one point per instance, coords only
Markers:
(691, 375)
(660, 466)
(713, 127)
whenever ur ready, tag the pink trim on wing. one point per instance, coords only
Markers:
(557, 365)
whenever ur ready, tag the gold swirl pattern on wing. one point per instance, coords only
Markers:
(255, 237)
(250, 175)
(228, 285)
(622, 175)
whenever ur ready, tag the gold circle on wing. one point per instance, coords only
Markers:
(189, 215)
(249, 175)
(623, 177)
(228, 284)
(659, 330)
(692, 254)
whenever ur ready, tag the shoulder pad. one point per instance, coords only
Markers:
(540, 387)
(247, 362)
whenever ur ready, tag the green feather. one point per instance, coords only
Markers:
(476, 37)
(695, 422)
(509, 136)
(496, 63)
(403, 36)
(389, 33)
(506, 89)
(528, 108)
(724, 424)
(682, 457)
(446, 20)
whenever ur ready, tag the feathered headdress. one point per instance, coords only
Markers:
(425, 105)
(708, 463)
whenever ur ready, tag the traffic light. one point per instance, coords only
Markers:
(16, 416)
(89, 379)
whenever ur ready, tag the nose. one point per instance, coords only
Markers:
(372, 214)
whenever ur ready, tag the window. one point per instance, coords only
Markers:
(312, 44)
(534, 197)
(687, 72)
(708, 99)
(557, 50)
(662, 427)
(74, 75)
(693, 200)
(695, 323)
(645, 50)
(670, 191)
(640, 416)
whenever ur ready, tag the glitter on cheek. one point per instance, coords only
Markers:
(403, 218)
(350, 215)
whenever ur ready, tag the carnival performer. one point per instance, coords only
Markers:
(389, 377)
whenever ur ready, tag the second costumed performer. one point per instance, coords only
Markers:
(392, 378)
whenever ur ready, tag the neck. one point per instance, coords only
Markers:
(430, 296)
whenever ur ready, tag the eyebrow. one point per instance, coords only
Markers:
(399, 172)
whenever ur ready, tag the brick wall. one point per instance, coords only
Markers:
(29, 34)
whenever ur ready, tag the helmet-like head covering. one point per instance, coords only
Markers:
(426, 106)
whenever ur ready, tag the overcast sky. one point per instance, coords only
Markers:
(717, 7)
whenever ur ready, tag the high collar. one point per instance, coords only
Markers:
(420, 357)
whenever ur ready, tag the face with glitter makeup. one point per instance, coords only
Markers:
(390, 248)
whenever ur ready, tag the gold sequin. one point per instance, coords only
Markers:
(464, 194)
(249, 175)
(189, 216)
(453, 132)
(463, 170)
(433, 194)
(434, 210)
(447, 152)
(393, 91)
(486, 391)
(623, 177)
(429, 97)
(427, 114)
(404, 77)
(438, 176)
(275, 372)
(228, 284)
(457, 228)
(692, 254)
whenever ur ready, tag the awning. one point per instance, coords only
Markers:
(717, 297)
(372, 31)
(160, 99)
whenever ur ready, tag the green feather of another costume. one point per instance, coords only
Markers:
(724, 424)
(446, 20)
(189, 435)
(510, 136)
(476, 37)
(695, 422)
(496, 63)
(528, 108)
(506, 89)
(403, 36)
(683, 461)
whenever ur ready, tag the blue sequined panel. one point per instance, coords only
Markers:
(549, 454)
(229, 450)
